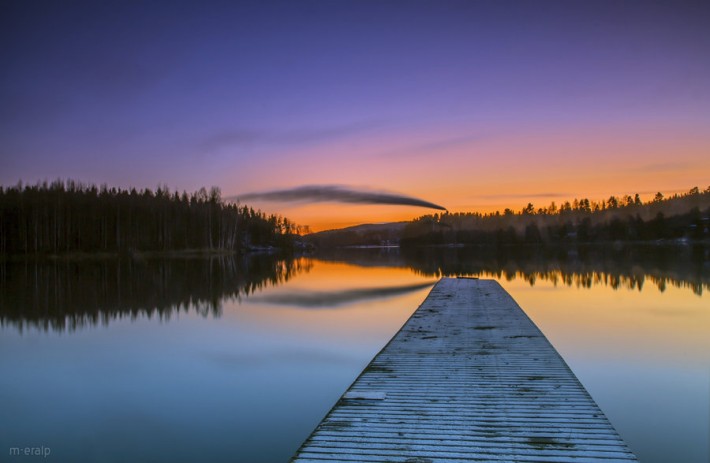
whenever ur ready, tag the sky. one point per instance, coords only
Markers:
(472, 105)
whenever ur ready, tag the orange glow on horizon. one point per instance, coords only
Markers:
(346, 320)
(671, 323)
(644, 323)
(536, 165)
(329, 216)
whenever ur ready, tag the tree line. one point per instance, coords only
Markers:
(69, 217)
(682, 216)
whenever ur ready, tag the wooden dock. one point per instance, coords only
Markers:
(469, 377)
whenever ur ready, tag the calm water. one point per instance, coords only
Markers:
(238, 360)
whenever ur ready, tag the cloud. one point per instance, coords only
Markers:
(433, 147)
(524, 195)
(318, 300)
(248, 138)
(236, 137)
(671, 166)
(336, 193)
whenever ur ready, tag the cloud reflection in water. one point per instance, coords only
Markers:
(324, 300)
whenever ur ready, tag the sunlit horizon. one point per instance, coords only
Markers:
(331, 216)
(477, 106)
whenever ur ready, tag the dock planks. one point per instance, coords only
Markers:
(469, 377)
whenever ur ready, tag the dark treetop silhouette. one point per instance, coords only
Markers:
(683, 217)
(68, 217)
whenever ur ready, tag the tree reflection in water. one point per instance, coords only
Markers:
(70, 294)
(584, 266)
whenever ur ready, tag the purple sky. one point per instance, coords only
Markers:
(461, 103)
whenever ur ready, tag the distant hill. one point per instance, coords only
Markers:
(374, 234)
(681, 218)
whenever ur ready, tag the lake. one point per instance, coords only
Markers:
(226, 359)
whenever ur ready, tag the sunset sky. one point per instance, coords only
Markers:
(473, 105)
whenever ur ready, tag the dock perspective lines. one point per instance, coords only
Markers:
(469, 377)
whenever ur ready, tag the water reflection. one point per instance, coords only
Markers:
(251, 384)
(628, 267)
(71, 294)
(322, 299)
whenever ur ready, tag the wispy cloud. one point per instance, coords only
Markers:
(524, 195)
(338, 194)
(433, 146)
(250, 138)
(237, 137)
(670, 166)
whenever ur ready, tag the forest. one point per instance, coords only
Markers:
(627, 219)
(65, 217)
(681, 217)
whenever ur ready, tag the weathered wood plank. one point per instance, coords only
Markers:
(469, 377)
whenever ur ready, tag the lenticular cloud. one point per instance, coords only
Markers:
(337, 193)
